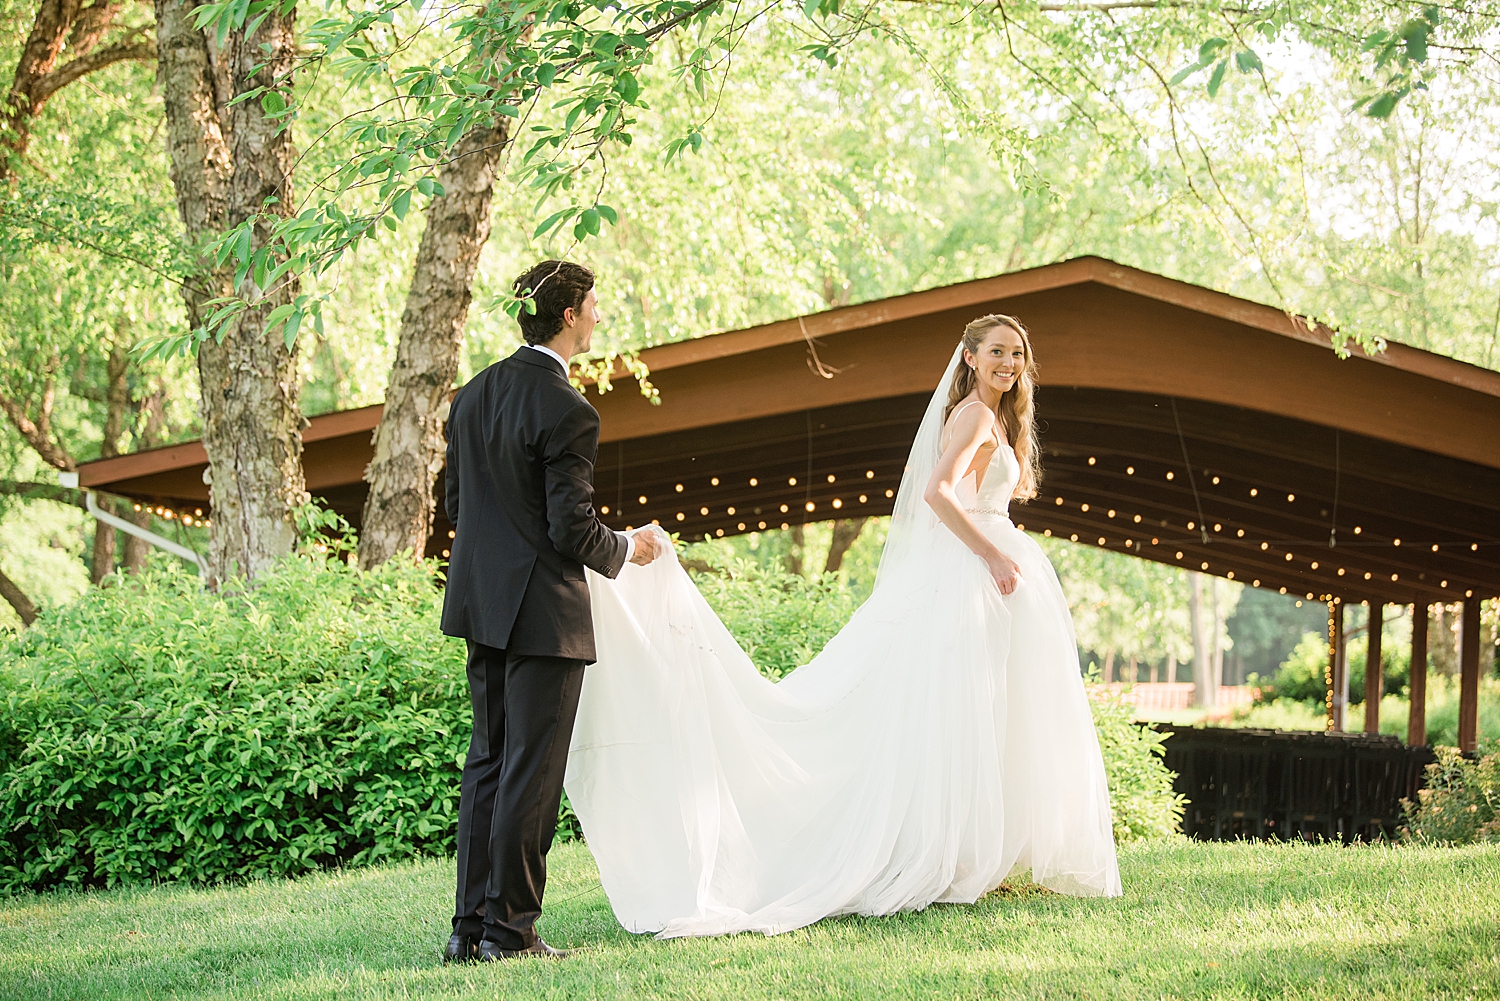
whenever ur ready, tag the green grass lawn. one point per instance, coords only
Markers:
(1197, 920)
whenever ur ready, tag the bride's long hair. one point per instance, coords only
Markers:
(1017, 410)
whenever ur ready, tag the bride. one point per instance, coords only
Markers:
(941, 741)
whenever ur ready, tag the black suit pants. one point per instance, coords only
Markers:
(524, 707)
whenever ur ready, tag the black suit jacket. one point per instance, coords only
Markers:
(520, 494)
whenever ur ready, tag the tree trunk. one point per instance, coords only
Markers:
(252, 427)
(23, 605)
(1171, 667)
(845, 533)
(1216, 638)
(1109, 666)
(792, 561)
(134, 551)
(1203, 688)
(116, 403)
(409, 443)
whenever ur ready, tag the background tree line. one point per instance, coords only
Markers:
(298, 205)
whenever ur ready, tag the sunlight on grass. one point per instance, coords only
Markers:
(1197, 920)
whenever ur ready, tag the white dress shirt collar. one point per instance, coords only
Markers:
(551, 354)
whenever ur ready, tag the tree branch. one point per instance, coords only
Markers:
(23, 605)
(38, 433)
(125, 49)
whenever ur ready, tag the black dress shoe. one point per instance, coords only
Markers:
(491, 952)
(461, 949)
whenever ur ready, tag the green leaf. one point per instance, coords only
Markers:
(424, 185)
(811, 7)
(1209, 49)
(290, 334)
(401, 204)
(552, 220)
(1247, 61)
(1184, 73)
(242, 245)
(279, 315)
(545, 74)
(1386, 103)
(606, 44)
(1414, 34)
(1218, 78)
(628, 87)
(590, 221)
(609, 213)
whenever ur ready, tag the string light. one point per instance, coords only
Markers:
(1254, 492)
(1290, 498)
(1129, 470)
(1085, 507)
(1218, 527)
(1111, 512)
(784, 525)
(1073, 537)
(810, 506)
(445, 554)
(729, 510)
(1137, 519)
(715, 482)
(1289, 557)
(784, 509)
(742, 526)
(1169, 474)
(1283, 590)
(1216, 481)
(642, 498)
(1357, 530)
(1191, 526)
(837, 503)
(761, 524)
(890, 493)
(604, 509)
(451, 533)
(754, 482)
(1240, 533)
(703, 510)
(1474, 547)
(1395, 542)
(1047, 532)
(1129, 543)
(1434, 547)
(719, 532)
(1315, 564)
(1203, 566)
(1020, 528)
(1091, 460)
(1444, 584)
(1179, 554)
(1101, 540)
(791, 481)
(1264, 546)
(1154, 542)
(678, 488)
(1230, 575)
(863, 498)
(1367, 575)
(869, 474)
(830, 477)
(1058, 502)
(681, 516)
(1255, 583)
(1468, 594)
(1341, 571)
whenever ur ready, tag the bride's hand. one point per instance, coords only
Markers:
(1005, 570)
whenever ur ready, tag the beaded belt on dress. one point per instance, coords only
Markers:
(988, 510)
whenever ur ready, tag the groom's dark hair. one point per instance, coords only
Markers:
(554, 286)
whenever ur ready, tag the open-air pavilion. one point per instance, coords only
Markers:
(1179, 424)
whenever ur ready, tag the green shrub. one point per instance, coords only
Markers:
(1461, 802)
(154, 731)
(780, 619)
(1140, 786)
(1302, 675)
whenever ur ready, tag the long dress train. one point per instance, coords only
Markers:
(939, 742)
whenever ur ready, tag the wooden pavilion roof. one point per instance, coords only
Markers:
(1163, 405)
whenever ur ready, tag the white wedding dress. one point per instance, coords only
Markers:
(941, 741)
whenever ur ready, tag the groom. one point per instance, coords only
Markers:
(520, 490)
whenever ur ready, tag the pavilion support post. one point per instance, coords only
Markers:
(1337, 676)
(1416, 719)
(1374, 674)
(1468, 669)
